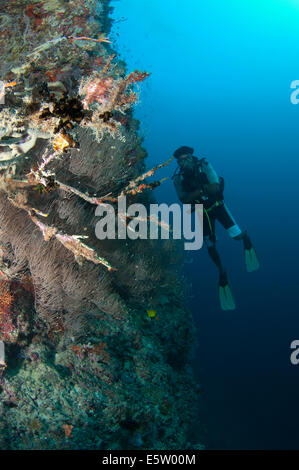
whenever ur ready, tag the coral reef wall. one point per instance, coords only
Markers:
(97, 338)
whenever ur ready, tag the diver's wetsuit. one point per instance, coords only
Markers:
(197, 182)
(202, 175)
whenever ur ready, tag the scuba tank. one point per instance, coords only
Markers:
(209, 171)
(212, 177)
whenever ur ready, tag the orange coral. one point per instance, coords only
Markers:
(98, 349)
(8, 332)
(96, 90)
(68, 428)
(62, 142)
(6, 298)
(106, 39)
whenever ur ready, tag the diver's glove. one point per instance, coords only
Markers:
(251, 260)
(226, 297)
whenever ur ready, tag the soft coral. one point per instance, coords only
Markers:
(97, 89)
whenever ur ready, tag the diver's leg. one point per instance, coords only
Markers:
(224, 216)
(212, 250)
(215, 257)
(213, 253)
(225, 295)
(251, 259)
(209, 237)
(224, 292)
(242, 236)
(226, 219)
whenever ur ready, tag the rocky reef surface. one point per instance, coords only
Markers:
(96, 335)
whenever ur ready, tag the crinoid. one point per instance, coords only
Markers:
(68, 109)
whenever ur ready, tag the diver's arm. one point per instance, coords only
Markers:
(179, 188)
(185, 198)
(191, 197)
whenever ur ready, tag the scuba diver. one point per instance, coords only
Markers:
(197, 182)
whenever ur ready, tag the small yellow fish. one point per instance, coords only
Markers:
(151, 313)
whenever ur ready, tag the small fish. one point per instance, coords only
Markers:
(151, 313)
(10, 84)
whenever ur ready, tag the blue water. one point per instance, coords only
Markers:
(221, 75)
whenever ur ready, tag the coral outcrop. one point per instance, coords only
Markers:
(86, 366)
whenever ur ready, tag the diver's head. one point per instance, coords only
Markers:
(184, 158)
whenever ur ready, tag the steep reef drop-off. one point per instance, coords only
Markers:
(97, 338)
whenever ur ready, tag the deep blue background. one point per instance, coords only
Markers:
(221, 75)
